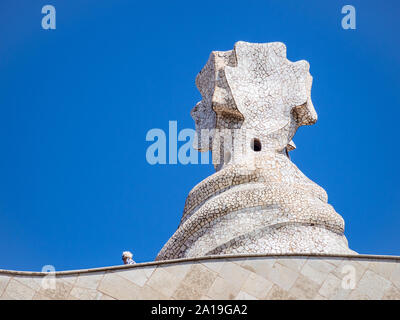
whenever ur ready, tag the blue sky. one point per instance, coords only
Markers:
(76, 104)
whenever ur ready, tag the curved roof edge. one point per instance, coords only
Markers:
(194, 259)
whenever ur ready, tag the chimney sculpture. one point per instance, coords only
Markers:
(253, 101)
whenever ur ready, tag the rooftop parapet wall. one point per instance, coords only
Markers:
(219, 277)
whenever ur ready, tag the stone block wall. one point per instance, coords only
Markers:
(219, 277)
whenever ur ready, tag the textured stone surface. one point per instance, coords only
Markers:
(253, 101)
(229, 277)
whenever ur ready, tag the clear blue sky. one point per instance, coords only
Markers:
(76, 104)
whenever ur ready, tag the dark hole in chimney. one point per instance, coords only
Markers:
(256, 144)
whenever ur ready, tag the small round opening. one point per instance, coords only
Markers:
(256, 144)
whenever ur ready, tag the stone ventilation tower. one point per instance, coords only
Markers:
(253, 101)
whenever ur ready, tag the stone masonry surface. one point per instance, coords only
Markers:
(220, 277)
